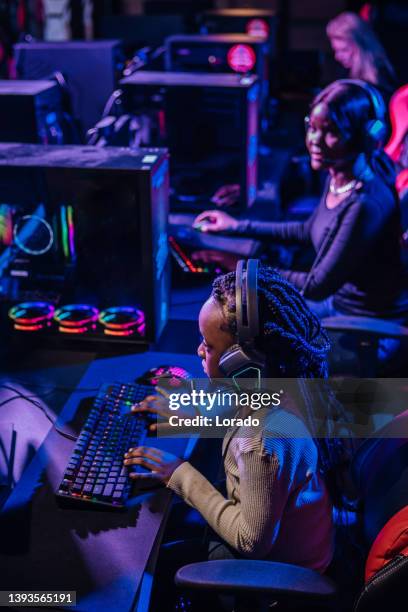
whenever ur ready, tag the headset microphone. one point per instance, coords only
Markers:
(242, 360)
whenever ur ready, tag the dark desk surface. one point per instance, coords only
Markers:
(101, 555)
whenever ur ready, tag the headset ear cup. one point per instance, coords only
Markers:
(376, 133)
(375, 130)
(236, 361)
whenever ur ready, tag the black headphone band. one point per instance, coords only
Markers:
(242, 359)
(246, 301)
(376, 99)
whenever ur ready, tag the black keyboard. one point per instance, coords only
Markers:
(95, 474)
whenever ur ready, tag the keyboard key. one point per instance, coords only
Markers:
(108, 490)
(95, 469)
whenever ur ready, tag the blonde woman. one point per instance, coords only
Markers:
(357, 48)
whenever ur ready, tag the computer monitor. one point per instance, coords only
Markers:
(83, 243)
(220, 53)
(91, 70)
(31, 112)
(209, 123)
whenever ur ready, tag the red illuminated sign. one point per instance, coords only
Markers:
(258, 28)
(241, 58)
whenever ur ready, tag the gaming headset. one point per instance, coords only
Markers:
(375, 130)
(242, 360)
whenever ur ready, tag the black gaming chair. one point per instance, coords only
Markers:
(357, 342)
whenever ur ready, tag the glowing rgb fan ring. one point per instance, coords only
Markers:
(39, 220)
(76, 315)
(121, 320)
(31, 316)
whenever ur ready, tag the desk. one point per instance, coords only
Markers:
(100, 555)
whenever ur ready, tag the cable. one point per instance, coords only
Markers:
(113, 98)
(30, 399)
(29, 383)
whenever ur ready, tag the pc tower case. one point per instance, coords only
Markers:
(214, 53)
(31, 111)
(91, 70)
(209, 123)
(83, 243)
(260, 23)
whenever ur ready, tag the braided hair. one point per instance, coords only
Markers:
(296, 346)
(291, 336)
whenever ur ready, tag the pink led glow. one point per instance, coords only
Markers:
(241, 58)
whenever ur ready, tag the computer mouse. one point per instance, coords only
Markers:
(172, 376)
(203, 223)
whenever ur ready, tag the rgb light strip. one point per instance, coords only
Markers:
(68, 231)
(6, 225)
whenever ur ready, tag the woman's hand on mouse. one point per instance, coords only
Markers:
(160, 463)
(215, 221)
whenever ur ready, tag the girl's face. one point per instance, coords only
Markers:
(344, 51)
(215, 340)
(326, 146)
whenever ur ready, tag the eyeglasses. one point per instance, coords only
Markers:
(306, 121)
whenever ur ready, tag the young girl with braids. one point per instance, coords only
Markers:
(277, 506)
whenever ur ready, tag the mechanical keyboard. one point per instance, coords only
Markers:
(95, 474)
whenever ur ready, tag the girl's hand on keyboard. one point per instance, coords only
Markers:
(160, 463)
(158, 405)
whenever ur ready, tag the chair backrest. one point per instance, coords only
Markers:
(399, 122)
(380, 470)
(402, 188)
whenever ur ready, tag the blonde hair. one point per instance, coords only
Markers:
(370, 63)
